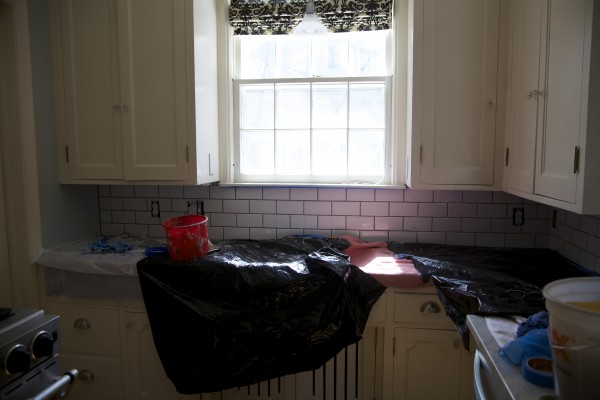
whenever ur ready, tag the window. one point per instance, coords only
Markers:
(312, 109)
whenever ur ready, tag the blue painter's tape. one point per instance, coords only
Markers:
(538, 370)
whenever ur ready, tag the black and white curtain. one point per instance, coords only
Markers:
(279, 17)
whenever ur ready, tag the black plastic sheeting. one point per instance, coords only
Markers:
(254, 310)
(486, 280)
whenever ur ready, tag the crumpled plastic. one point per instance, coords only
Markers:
(254, 310)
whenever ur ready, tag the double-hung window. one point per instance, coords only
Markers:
(312, 109)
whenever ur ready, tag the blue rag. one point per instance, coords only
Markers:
(534, 343)
(536, 321)
(103, 246)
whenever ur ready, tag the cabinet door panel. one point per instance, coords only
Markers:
(460, 45)
(153, 86)
(426, 364)
(561, 77)
(527, 19)
(91, 89)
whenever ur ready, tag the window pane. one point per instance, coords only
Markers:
(293, 152)
(256, 152)
(293, 57)
(256, 106)
(257, 54)
(368, 54)
(292, 107)
(330, 56)
(330, 105)
(367, 105)
(367, 152)
(329, 152)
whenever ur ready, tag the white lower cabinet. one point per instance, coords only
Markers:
(409, 350)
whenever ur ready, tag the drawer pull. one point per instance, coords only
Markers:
(430, 307)
(82, 323)
(86, 375)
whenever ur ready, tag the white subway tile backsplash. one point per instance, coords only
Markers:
(439, 210)
(377, 209)
(121, 191)
(418, 196)
(360, 223)
(388, 223)
(331, 222)
(276, 221)
(248, 193)
(145, 191)
(418, 224)
(404, 209)
(304, 194)
(332, 194)
(345, 208)
(437, 216)
(196, 192)
(360, 194)
(389, 195)
(304, 221)
(236, 206)
(290, 207)
(276, 193)
(249, 220)
(263, 206)
(317, 207)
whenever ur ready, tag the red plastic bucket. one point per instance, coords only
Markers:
(187, 237)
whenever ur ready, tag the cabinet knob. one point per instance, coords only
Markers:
(492, 103)
(82, 323)
(530, 94)
(430, 307)
(116, 107)
(86, 375)
(125, 107)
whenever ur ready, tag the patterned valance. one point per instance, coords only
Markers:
(279, 17)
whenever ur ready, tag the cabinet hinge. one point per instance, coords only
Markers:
(421, 155)
(394, 346)
(576, 161)
(506, 156)
(67, 153)
(187, 153)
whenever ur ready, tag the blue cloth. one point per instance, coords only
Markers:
(534, 343)
(104, 246)
(536, 321)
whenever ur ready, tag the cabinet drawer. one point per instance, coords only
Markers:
(88, 330)
(99, 378)
(421, 309)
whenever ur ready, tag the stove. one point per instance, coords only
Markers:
(29, 347)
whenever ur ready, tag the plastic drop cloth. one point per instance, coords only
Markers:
(486, 280)
(254, 310)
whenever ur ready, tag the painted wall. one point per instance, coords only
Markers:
(67, 212)
(473, 218)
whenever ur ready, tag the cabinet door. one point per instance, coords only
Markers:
(90, 121)
(456, 50)
(100, 378)
(147, 377)
(426, 364)
(153, 87)
(560, 119)
(521, 139)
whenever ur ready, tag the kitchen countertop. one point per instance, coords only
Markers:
(509, 375)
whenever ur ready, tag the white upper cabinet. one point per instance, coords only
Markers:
(126, 82)
(552, 152)
(452, 124)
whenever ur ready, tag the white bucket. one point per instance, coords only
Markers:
(575, 336)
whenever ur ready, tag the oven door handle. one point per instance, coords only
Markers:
(61, 386)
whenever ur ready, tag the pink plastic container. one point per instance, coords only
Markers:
(187, 237)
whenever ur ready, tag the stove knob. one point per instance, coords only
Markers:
(16, 360)
(42, 345)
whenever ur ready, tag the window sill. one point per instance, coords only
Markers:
(313, 185)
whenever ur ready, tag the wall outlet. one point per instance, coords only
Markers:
(192, 207)
(518, 216)
(155, 208)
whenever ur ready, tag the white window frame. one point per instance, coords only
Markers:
(398, 139)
